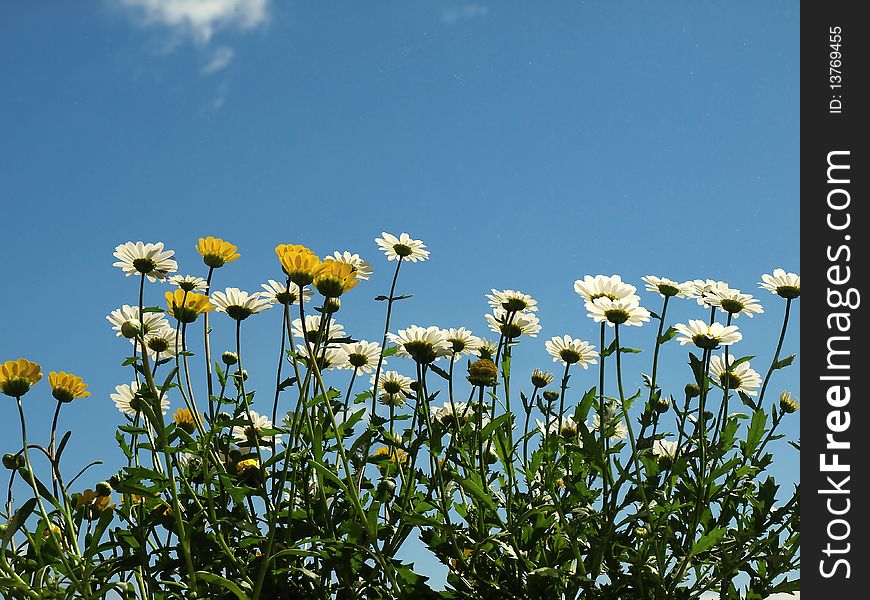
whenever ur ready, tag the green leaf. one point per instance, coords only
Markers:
(224, 583)
(756, 430)
(781, 364)
(286, 383)
(474, 489)
(669, 334)
(707, 541)
(444, 374)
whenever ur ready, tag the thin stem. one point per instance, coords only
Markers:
(53, 447)
(778, 350)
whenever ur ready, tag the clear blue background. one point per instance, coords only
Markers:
(526, 144)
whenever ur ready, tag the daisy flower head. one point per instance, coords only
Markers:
(482, 372)
(739, 379)
(706, 336)
(392, 388)
(18, 376)
(127, 322)
(240, 305)
(335, 278)
(312, 331)
(601, 286)
(513, 325)
(487, 349)
(150, 260)
(216, 252)
(165, 342)
(189, 283)
(788, 403)
(733, 302)
(279, 293)
(512, 301)
(249, 435)
(569, 428)
(402, 247)
(65, 387)
(614, 427)
(362, 268)
(697, 288)
(449, 414)
(361, 357)
(541, 379)
(664, 449)
(462, 342)
(624, 311)
(569, 351)
(128, 400)
(786, 285)
(328, 357)
(187, 306)
(666, 288)
(185, 420)
(424, 345)
(299, 263)
(395, 456)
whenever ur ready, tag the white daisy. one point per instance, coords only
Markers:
(363, 269)
(249, 434)
(696, 288)
(424, 345)
(240, 305)
(334, 330)
(277, 293)
(733, 302)
(150, 260)
(569, 427)
(665, 449)
(392, 388)
(444, 415)
(602, 286)
(462, 342)
(707, 336)
(165, 341)
(665, 287)
(625, 311)
(512, 301)
(739, 379)
(787, 285)
(615, 428)
(514, 325)
(569, 351)
(189, 283)
(125, 321)
(127, 399)
(327, 358)
(487, 349)
(402, 247)
(360, 356)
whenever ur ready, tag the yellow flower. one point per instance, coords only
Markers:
(53, 528)
(184, 419)
(216, 252)
(335, 278)
(299, 263)
(246, 465)
(396, 455)
(66, 386)
(187, 306)
(788, 403)
(16, 376)
(93, 503)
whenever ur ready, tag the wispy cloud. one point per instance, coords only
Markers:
(199, 19)
(219, 60)
(221, 96)
(466, 11)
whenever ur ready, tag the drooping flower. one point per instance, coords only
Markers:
(332, 330)
(738, 379)
(150, 260)
(189, 283)
(392, 388)
(733, 302)
(65, 387)
(513, 325)
(512, 301)
(665, 449)
(424, 345)
(402, 247)
(299, 263)
(462, 342)
(128, 400)
(362, 268)
(666, 288)
(187, 306)
(706, 336)
(18, 376)
(788, 403)
(240, 305)
(569, 351)
(335, 278)
(278, 293)
(216, 252)
(361, 357)
(126, 321)
(786, 285)
(250, 434)
(625, 311)
(697, 288)
(601, 286)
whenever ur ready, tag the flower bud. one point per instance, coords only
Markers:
(551, 395)
(692, 391)
(130, 329)
(541, 379)
(661, 404)
(229, 358)
(103, 488)
(13, 461)
(482, 372)
(788, 403)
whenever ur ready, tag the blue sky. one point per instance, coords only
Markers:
(526, 144)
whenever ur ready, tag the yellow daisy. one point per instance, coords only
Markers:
(66, 386)
(335, 278)
(184, 420)
(187, 306)
(16, 376)
(299, 263)
(216, 252)
(396, 455)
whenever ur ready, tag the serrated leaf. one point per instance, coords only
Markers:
(781, 364)
(707, 541)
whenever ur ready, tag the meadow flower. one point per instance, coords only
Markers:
(165, 342)
(126, 321)
(184, 419)
(335, 278)
(666, 288)
(150, 260)
(92, 503)
(462, 342)
(788, 403)
(601, 286)
(569, 428)
(240, 305)
(424, 345)
(482, 372)
(448, 414)
(706, 336)
(402, 247)
(513, 325)
(395, 456)
(541, 379)
(279, 293)
(215, 252)
(733, 302)
(487, 349)
(65, 387)
(189, 283)
(697, 288)
(312, 331)
(786, 285)
(739, 379)
(512, 301)
(362, 268)
(328, 357)
(361, 357)
(299, 263)
(127, 399)
(665, 449)
(570, 351)
(392, 388)
(248, 435)
(625, 311)
(17, 376)
(187, 306)
(614, 426)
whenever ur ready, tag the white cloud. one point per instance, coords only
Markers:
(200, 19)
(466, 11)
(219, 60)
